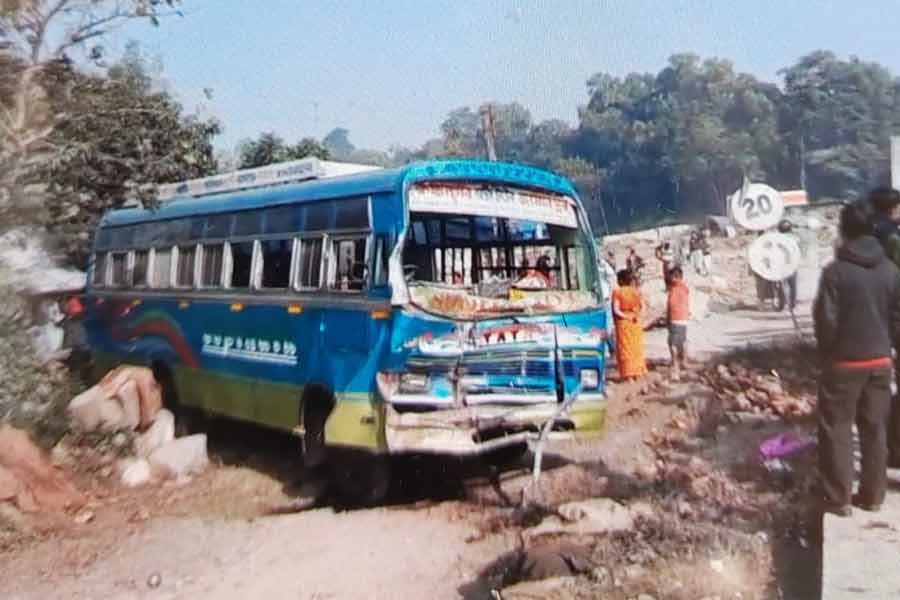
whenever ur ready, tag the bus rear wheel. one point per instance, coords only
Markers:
(188, 420)
(360, 477)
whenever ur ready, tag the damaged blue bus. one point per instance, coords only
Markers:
(447, 307)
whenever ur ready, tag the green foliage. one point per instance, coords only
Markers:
(338, 143)
(116, 137)
(845, 113)
(33, 395)
(269, 149)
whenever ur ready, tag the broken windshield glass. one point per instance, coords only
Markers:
(462, 259)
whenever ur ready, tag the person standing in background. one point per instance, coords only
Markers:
(696, 252)
(628, 309)
(678, 313)
(856, 316)
(884, 203)
(706, 250)
(635, 264)
(608, 285)
(789, 285)
(665, 255)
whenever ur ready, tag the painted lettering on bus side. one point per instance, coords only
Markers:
(281, 352)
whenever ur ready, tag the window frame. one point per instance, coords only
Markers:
(323, 262)
(110, 270)
(228, 267)
(148, 271)
(332, 241)
(169, 279)
(199, 282)
(103, 278)
(176, 263)
(258, 263)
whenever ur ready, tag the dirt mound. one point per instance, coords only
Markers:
(29, 479)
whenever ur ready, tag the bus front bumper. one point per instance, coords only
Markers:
(475, 430)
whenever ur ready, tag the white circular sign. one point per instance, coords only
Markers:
(774, 256)
(760, 207)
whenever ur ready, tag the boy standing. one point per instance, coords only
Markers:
(679, 313)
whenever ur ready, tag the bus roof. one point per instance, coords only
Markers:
(371, 182)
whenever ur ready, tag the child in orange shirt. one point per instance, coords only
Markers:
(679, 313)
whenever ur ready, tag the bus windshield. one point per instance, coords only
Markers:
(478, 252)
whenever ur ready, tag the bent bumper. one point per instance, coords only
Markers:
(475, 430)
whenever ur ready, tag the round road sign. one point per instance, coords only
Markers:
(774, 256)
(760, 207)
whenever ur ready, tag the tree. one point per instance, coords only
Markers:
(839, 116)
(269, 149)
(338, 144)
(116, 138)
(461, 133)
(544, 147)
(39, 39)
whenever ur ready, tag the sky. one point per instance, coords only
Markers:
(390, 71)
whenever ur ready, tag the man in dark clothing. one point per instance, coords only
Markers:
(884, 203)
(857, 319)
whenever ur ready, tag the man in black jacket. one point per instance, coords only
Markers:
(884, 203)
(857, 320)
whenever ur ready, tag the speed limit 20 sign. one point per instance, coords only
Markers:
(757, 208)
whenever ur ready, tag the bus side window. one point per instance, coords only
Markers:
(276, 263)
(162, 267)
(211, 265)
(382, 252)
(184, 274)
(309, 263)
(99, 274)
(241, 264)
(140, 270)
(348, 269)
(120, 269)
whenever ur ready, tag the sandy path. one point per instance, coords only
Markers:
(381, 553)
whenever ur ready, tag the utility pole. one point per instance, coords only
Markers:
(487, 129)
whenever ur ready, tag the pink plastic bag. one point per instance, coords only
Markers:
(785, 445)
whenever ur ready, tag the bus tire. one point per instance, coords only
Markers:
(187, 419)
(361, 477)
(317, 404)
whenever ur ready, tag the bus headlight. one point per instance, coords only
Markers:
(590, 379)
(414, 383)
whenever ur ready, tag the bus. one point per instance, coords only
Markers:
(446, 307)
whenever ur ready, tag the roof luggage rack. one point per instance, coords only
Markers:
(280, 173)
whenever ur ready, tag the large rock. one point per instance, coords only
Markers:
(182, 457)
(136, 472)
(148, 390)
(93, 410)
(28, 478)
(128, 397)
(160, 433)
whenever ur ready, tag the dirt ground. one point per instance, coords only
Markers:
(717, 524)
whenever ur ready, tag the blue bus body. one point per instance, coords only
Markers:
(398, 377)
